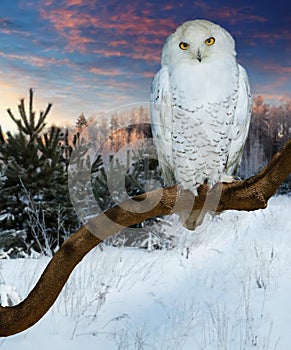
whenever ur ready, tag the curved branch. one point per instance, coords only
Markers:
(250, 194)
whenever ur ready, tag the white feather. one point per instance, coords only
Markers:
(241, 122)
(161, 122)
(200, 108)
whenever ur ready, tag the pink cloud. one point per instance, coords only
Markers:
(48, 2)
(270, 88)
(278, 69)
(168, 7)
(120, 85)
(116, 72)
(39, 62)
(74, 2)
(81, 29)
(8, 31)
(142, 48)
(118, 43)
(109, 72)
(148, 74)
(146, 55)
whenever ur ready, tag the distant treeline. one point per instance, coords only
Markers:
(270, 129)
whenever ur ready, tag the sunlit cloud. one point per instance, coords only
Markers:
(273, 85)
(9, 31)
(147, 55)
(148, 74)
(109, 72)
(82, 29)
(39, 62)
(278, 69)
(116, 85)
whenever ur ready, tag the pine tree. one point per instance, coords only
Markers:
(35, 193)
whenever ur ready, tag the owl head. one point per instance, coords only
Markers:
(199, 41)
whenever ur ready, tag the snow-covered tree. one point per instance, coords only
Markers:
(270, 129)
(81, 123)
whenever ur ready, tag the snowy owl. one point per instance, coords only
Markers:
(200, 107)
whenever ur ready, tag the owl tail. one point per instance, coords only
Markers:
(192, 219)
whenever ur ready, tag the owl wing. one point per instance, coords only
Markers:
(241, 123)
(161, 122)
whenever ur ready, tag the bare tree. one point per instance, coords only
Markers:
(250, 194)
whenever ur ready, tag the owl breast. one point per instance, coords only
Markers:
(203, 100)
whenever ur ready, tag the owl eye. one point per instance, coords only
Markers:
(210, 41)
(183, 46)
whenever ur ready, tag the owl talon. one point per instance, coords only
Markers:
(227, 178)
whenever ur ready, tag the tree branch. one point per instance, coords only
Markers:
(250, 194)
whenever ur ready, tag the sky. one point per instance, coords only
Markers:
(92, 56)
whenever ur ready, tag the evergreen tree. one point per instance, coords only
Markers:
(35, 192)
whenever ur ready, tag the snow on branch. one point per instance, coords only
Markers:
(249, 194)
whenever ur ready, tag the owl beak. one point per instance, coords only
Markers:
(198, 56)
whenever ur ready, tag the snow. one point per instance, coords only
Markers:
(6, 216)
(8, 295)
(226, 287)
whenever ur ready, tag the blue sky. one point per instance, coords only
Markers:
(90, 56)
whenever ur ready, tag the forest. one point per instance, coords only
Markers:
(37, 160)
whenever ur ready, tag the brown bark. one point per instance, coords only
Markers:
(250, 194)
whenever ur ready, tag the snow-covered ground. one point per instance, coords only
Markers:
(226, 287)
